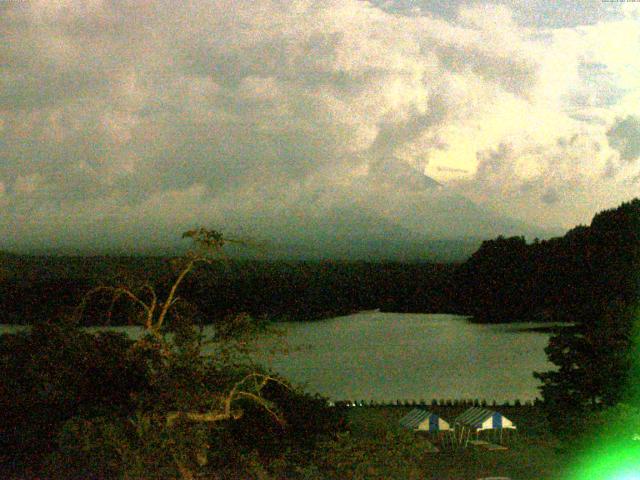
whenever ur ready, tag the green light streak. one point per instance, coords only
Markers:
(613, 451)
(609, 461)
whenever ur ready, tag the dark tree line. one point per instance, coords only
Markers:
(568, 278)
(32, 292)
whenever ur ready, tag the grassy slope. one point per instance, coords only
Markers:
(377, 448)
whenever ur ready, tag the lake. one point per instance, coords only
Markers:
(389, 356)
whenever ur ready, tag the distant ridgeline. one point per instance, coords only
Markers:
(505, 280)
(568, 278)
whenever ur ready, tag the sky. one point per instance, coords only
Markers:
(124, 122)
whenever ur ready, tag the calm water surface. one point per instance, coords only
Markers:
(389, 356)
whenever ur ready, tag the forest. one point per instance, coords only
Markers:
(560, 279)
(33, 288)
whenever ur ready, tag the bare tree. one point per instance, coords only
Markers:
(154, 311)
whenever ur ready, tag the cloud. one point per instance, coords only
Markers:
(550, 196)
(533, 13)
(130, 111)
(565, 178)
(127, 92)
(27, 184)
(624, 136)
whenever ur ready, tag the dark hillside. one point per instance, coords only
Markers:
(557, 279)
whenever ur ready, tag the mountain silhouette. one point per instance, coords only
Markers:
(394, 212)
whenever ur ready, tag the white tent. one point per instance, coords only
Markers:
(482, 419)
(420, 419)
(475, 420)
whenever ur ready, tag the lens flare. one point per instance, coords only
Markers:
(613, 448)
(612, 461)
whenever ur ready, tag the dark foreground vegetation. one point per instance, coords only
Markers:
(77, 405)
(81, 405)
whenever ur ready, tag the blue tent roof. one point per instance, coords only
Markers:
(476, 417)
(420, 417)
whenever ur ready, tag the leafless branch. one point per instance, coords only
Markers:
(169, 301)
(263, 403)
(227, 412)
(208, 417)
(116, 292)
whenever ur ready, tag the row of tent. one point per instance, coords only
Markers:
(474, 418)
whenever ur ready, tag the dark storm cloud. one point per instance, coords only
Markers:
(514, 75)
(548, 175)
(495, 164)
(395, 134)
(599, 87)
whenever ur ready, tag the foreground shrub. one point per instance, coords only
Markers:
(56, 371)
